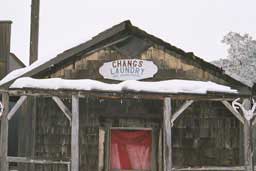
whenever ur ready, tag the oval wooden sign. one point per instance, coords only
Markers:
(128, 69)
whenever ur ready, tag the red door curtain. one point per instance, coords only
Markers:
(131, 150)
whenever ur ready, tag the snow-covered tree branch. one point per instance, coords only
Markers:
(241, 59)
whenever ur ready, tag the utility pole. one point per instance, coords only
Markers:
(34, 31)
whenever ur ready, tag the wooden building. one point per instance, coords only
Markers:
(9, 62)
(61, 129)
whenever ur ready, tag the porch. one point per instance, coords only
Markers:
(72, 114)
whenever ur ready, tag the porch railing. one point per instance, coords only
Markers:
(211, 168)
(37, 161)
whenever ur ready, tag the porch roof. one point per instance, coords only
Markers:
(178, 89)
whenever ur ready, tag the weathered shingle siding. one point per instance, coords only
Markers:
(206, 134)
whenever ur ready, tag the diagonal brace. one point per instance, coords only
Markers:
(16, 107)
(63, 107)
(181, 109)
(230, 108)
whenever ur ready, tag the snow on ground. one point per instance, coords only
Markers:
(167, 86)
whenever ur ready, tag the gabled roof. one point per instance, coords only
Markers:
(21, 64)
(109, 37)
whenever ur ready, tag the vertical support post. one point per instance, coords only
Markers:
(248, 141)
(248, 147)
(167, 135)
(75, 134)
(241, 145)
(33, 131)
(4, 134)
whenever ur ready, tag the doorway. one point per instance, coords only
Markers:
(130, 150)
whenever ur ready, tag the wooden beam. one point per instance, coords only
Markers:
(4, 134)
(248, 140)
(167, 130)
(75, 134)
(230, 108)
(33, 122)
(180, 110)
(212, 168)
(107, 148)
(63, 107)
(12, 159)
(120, 95)
(16, 107)
(154, 157)
(248, 149)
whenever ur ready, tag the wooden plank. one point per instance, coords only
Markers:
(167, 135)
(154, 156)
(221, 168)
(230, 108)
(4, 134)
(248, 140)
(107, 147)
(12, 159)
(101, 151)
(63, 107)
(181, 109)
(27, 131)
(160, 150)
(241, 144)
(16, 107)
(75, 134)
(33, 131)
(248, 149)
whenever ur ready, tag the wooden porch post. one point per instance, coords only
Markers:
(248, 141)
(167, 135)
(248, 147)
(4, 134)
(75, 134)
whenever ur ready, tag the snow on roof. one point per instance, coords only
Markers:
(20, 72)
(116, 29)
(167, 86)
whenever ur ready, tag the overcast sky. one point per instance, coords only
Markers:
(193, 25)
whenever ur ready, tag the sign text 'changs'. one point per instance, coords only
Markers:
(128, 69)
